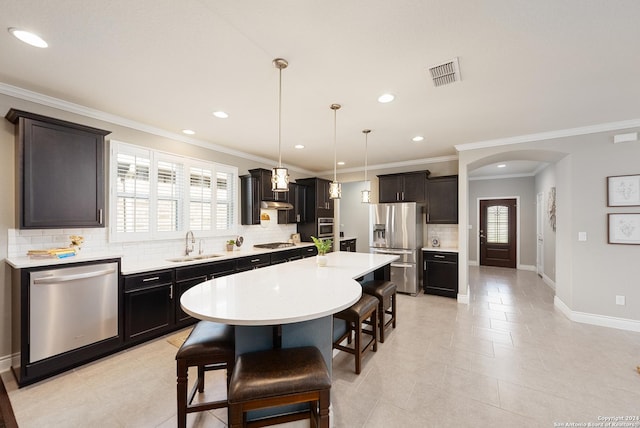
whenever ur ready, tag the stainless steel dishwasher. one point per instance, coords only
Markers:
(71, 307)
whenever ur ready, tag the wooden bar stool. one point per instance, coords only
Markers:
(386, 293)
(210, 346)
(280, 377)
(355, 316)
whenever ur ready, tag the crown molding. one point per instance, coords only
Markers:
(46, 100)
(412, 162)
(562, 133)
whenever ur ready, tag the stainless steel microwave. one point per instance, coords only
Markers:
(325, 227)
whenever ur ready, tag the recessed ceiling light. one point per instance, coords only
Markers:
(298, 146)
(340, 163)
(386, 98)
(220, 114)
(28, 37)
(417, 138)
(502, 165)
(188, 132)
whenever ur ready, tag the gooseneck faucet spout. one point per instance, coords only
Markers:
(189, 248)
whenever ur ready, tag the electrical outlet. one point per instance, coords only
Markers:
(620, 300)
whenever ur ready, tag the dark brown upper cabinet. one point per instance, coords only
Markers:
(60, 172)
(404, 187)
(442, 200)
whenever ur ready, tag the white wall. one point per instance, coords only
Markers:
(521, 187)
(354, 215)
(545, 180)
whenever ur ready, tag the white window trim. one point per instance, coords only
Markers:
(187, 163)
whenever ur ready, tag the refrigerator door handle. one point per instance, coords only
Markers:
(394, 252)
(402, 265)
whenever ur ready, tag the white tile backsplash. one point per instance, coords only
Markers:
(446, 233)
(96, 240)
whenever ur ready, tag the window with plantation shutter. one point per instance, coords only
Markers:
(133, 192)
(498, 224)
(200, 199)
(157, 195)
(169, 182)
(225, 197)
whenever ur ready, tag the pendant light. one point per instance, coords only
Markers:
(335, 188)
(280, 175)
(365, 195)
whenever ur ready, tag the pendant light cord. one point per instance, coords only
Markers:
(280, 118)
(335, 118)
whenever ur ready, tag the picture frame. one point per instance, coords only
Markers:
(623, 191)
(624, 228)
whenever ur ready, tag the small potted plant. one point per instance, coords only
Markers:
(323, 245)
(230, 244)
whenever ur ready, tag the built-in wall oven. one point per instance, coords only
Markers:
(325, 227)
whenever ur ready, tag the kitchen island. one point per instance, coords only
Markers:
(295, 299)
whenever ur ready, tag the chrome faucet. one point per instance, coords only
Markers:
(187, 248)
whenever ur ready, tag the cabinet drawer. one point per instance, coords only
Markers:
(308, 252)
(144, 280)
(211, 270)
(434, 256)
(256, 261)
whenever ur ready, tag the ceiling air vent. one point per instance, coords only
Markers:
(445, 73)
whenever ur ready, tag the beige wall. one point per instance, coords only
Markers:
(522, 188)
(588, 274)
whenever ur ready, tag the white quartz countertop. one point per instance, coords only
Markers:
(141, 264)
(25, 262)
(286, 293)
(442, 249)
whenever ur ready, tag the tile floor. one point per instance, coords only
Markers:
(508, 359)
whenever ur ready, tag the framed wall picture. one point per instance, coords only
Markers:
(624, 229)
(623, 191)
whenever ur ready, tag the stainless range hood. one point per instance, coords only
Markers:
(275, 205)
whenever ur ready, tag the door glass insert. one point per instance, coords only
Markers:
(498, 224)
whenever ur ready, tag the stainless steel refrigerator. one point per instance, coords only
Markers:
(397, 229)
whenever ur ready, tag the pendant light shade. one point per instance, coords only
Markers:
(335, 188)
(365, 195)
(280, 175)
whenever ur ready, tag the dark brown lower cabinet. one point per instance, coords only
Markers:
(348, 245)
(148, 305)
(440, 274)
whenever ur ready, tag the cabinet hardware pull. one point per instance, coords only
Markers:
(153, 278)
(255, 260)
(438, 256)
(171, 292)
(100, 216)
(427, 217)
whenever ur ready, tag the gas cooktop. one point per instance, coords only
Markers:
(274, 245)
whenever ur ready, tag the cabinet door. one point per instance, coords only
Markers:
(148, 311)
(388, 188)
(413, 187)
(441, 274)
(264, 176)
(250, 196)
(62, 172)
(181, 317)
(442, 195)
(324, 203)
(295, 196)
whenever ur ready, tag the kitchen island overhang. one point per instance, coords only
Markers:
(299, 296)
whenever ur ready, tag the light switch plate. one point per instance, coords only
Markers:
(582, 236)
(620, 300)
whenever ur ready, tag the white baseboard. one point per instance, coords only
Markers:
(5, 362)
(527, 267)
(551, 283)
(464, 298)
(594, 319)
(472, 263)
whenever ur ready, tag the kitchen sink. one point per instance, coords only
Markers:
(194, 258)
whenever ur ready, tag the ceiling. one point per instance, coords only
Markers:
(526, 66)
